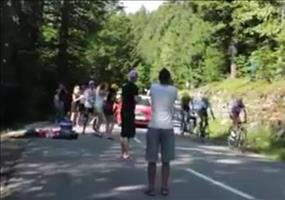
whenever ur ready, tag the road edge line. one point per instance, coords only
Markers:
(220, 184)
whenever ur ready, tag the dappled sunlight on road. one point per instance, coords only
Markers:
(52, 168)
(91, 168)
(229, 161)
(128, 188)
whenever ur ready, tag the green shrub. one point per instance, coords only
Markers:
(218, 129)
(259, 140)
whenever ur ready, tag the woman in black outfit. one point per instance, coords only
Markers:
(129, 97)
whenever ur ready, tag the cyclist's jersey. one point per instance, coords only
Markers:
(237, 107)
(200, 105)
(185, 103)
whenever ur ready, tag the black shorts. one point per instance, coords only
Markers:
(202, 113)
(89, 111)
(128, 124)
(81, 107)
(74, 107)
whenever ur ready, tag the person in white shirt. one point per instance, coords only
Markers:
(89, 97)
(101, 94)
(160, 135)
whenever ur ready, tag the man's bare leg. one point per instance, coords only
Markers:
(125, 148)
(165, 171)
(151, 170)
(122, 147)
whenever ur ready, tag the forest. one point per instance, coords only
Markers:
(46, 42)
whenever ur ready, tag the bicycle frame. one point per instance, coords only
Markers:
(186, 123)
(240, 136)
(203, 127)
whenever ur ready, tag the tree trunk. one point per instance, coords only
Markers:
(233, 53)
(283, 13)
(63, 37)
(233, 70)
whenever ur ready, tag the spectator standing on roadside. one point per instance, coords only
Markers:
(129, 98)
(101, 94)
(160, 136)
(89, 97)
(109, 112)
(63, 98)
(76, 96)
(58, 106)
(81, 108)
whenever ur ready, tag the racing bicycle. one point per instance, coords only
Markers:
(237, 137)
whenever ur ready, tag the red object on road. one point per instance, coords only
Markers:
(142, 111)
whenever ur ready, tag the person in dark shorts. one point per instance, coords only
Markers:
(76, 96)
(89, 97)
(160, 136)
(81, 107)
(129, 98)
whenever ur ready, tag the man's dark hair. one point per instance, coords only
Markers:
(164, 77)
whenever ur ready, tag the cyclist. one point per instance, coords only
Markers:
(201, 106)
(237, 135)
(237, 107)
(186, 111)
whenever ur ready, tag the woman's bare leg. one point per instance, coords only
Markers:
(110, 129)
(72, 117)
(78, 119)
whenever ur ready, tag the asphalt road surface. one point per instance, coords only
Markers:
(90, 168)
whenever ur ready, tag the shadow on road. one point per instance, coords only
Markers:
(90, 168)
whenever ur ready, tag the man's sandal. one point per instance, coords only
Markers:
(164, 191)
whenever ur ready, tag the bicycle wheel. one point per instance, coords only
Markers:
(185, 123)
(242, 139)
(182, 126)
(232, 138)
(203, 130)
(190, 127)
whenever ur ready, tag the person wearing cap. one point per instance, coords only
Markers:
(89, 97)
(129, 98)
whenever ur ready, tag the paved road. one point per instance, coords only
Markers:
(90, 168)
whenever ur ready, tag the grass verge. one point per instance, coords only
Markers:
(260, 139)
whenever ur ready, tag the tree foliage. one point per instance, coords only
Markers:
(45, 42)
(205, 41)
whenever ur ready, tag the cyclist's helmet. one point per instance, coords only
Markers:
(239, 101)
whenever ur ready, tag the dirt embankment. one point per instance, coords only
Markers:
(265, 102)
